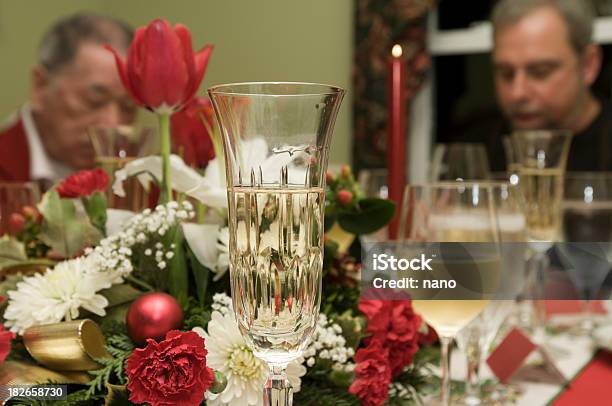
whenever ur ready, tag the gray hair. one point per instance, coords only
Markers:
(578, 16)
(59, 46)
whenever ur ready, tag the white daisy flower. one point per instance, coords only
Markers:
(56, 295)
(245, 373)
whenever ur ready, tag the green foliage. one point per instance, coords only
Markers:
(323, 393)
(371, 214)
(63, 229)
(196, 314)
(12, 252)
(358, 215)
(95, 207)
(178, 284)
(201, 275)
(120, 346)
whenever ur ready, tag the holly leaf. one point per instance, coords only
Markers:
(62, 230)
(12, 252)
(120, 294)
(372, 215)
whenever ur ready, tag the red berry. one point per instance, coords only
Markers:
(345, 171)
(345, 197)
(16, 223)
(329, 177)
(31, 213)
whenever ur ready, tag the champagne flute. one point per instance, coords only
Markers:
(276, 139)
(455, 212)
(542, 158)
(114, 147)
(477, 336)
(459, 161)
(587, 229)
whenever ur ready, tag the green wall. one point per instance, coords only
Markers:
(265, 40)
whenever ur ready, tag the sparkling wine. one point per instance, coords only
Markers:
(543, 191)
(276, 260)
(449, 316)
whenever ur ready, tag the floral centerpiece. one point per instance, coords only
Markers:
(156, 282)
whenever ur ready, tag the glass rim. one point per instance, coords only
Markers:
(540, 131)
(458, 184)
(18, 183)
(330, 89)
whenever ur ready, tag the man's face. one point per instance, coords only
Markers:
(84, 94)
(538, 75)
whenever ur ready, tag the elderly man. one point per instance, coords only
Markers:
(75, 86)
(544, 64)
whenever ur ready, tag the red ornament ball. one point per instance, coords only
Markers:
(152, 315)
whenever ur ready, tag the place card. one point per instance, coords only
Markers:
(512, 353)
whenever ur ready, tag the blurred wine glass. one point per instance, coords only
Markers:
(114, 148)
(462, 213)
(586, 252)
(476, 338)
(459, 161)
(13, 197)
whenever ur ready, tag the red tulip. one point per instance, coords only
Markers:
(162, 72)
(190, 136)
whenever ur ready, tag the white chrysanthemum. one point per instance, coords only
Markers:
(56, 295)
(245, 373)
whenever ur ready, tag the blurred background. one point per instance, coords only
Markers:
(343, 42)
(272, 40)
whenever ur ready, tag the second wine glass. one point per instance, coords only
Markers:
(462, 213)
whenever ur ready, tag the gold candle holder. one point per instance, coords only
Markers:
(67, 346)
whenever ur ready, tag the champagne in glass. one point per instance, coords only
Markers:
(276, 139)
(277, 262)
(542, 158)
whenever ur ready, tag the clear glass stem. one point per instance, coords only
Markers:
(277, 389)
(445, 360)
(472, 380)
(538, 265)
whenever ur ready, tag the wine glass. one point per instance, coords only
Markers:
(475, 339)
(13, 196)
(276, 139)
(460, 218)
(587, 228)
(542, 158)
(459, 161)
(115, 147)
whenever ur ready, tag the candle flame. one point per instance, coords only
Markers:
(396, 51)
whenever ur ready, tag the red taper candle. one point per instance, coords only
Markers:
(396, 143)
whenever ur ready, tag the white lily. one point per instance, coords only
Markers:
(184, 178)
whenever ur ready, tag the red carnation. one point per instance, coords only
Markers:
(172, 372)
(5, 340)
(83, 183)
(396, 326)
(190, 132)
(372, 374)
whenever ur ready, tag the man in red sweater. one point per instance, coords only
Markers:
(75, 87)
